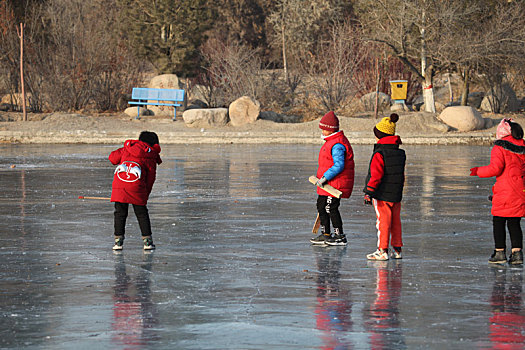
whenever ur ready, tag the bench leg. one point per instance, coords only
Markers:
(138, 113)
(174, 113)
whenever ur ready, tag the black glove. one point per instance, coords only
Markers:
(321, 182)
(367, 200)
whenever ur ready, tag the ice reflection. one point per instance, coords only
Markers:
(383, 315)
(334, 305)
(507, 322)
(134, 313)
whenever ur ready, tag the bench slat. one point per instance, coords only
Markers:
(154, 103)
(157, 94)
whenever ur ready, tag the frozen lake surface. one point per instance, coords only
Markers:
(233, 267)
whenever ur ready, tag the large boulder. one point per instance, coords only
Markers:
(200, 118)
(244, 110)
(500, 99)
(463, 118)
(132, 111)
(164, 81)
(369, 101)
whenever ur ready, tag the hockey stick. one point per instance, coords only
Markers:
(333, 191)
(99, 198)
(317, 223)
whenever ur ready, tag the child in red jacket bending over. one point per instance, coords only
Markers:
(384, 188)
(507, 163)
(132, 182)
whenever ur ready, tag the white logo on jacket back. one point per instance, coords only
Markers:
(128, 171)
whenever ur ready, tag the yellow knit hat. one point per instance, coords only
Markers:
(387, 125)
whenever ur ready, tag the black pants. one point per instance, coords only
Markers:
(121, 214)
(328, 209)
(516, 235)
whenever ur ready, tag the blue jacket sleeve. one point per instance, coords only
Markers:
(338, 155)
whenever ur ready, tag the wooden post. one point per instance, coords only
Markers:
(20, 33)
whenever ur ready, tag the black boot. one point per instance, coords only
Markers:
(498, 257)
(516, 258)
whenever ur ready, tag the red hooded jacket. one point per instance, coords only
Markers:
(507, 163)
(136, 171)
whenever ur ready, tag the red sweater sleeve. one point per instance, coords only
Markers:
(377, 170)
(496, 166)
(116, 156)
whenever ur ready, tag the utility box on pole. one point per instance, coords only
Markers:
(398, 90)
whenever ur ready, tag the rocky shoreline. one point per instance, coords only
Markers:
(61, 128)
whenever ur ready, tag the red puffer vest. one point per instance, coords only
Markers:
(507, 163)
(344, 181)
(136, 171)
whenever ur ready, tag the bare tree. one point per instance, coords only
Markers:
(333, 70)
(411, 30)
(234, 70)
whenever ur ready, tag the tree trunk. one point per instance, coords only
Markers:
(427, 72)
(378, 78)
(465, 86)
(21, 36)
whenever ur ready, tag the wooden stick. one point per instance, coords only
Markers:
(99, 198)
(333, 191)
(317, 223)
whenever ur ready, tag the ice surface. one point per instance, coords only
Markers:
(233, 267)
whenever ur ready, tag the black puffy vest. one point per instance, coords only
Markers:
(391, 187)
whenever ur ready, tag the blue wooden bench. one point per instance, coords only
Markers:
(157, 97)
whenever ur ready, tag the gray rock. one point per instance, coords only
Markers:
(132, 111)
(197, 104)
(199, 118)
(244, 110)
(279, 118)
(369, 101)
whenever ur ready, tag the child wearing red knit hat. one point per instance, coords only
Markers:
(336, 168)
(384, 187)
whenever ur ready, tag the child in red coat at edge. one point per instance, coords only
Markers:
(132, 182)
(384, 188)
(336, 168)
(507, 163)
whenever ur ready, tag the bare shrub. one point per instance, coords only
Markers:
(332, 70)
(233, 71)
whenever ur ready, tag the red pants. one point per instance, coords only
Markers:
(388, 223)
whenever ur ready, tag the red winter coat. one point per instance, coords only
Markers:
(344, 181)
(136, 171)
(507, 163)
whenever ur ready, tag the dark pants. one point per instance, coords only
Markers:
(121, 214)
(516, 235)
(328, 209)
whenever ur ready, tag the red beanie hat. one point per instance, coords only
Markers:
(329, 122)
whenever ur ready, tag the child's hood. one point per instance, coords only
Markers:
(141, 149)
(390, 140)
